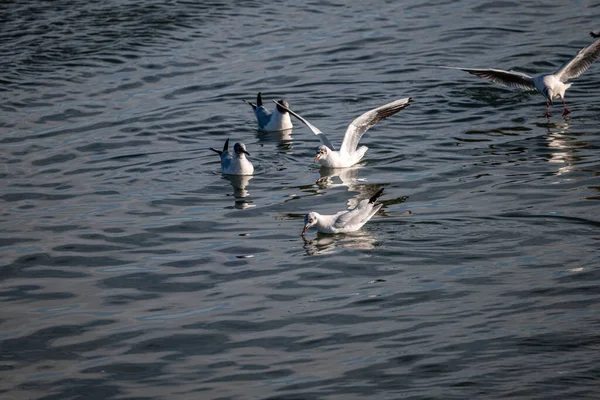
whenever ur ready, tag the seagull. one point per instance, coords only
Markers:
(595, 34)
(552, 86)
(235, 163)
(344, 221)
(278, 120)
(349, 154)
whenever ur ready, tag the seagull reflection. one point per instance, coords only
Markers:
(328, 244)
(565, 146)
(348, 177)
(283, 138)
(239, 183)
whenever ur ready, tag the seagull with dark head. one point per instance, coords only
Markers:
(235, 163)
(349, 153)
(552, 86)
(344, 221)
(277, 120)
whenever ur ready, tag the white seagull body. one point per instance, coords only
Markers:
(277, 120)
(344, 221)
(235, 163)
(552, 86)
(349, 153)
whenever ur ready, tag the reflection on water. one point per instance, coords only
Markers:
(328, 244)
(348, 177)
(331, 178)
(283, 138)
(565, 146)
(240, 194)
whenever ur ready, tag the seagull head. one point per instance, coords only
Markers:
(240, 150)
(310, 219)
(285, 103)
(322, 153)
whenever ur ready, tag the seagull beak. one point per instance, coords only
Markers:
(317, 157)
(304, 230)
(245, 152)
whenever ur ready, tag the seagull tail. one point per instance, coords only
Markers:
(374, 198)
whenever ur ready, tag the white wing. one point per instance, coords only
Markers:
(513, 79)
(358, 216)
(580, 63)
(361, 124)
(313, 128)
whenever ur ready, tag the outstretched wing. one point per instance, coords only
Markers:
(361, 124)
(313, 128)
(512, 79)
(580, 63)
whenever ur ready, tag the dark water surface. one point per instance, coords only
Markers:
(131, 269)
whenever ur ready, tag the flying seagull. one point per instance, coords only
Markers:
(552, 86)
(349, 154)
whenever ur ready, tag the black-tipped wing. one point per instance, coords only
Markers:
(251, 104)
(259, 101)
(595, 34)
(374, 198)
(361, 124)
(512, 79)
(225, 148)
(580, 63)
(310, 126)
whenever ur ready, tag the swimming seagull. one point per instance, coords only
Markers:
(344, 221)
(235, 163)
(595, 34)
(349, 154)
(552, 86)
(278, 120)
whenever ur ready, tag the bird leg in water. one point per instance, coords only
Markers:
(547, 109)
(565, 112)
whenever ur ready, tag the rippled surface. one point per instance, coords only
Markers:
(131, 269)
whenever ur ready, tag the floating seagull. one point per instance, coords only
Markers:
(235, 163)
(344, 221)
(552, 86)
(349, 154)
(278, 120)
(595, 33)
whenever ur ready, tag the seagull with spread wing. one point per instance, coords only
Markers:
(349, 153)
(552, 86)
(344, 221)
